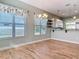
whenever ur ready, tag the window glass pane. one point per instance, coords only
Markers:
(43, 26)
(43, 22)
(37, 30)
(19, 25)
(37, 24)
(5, 24)
(43, 30)
(37, 21)
(70, 25)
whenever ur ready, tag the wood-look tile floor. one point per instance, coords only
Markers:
(49, 49)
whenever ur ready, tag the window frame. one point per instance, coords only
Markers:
(15, 28)
(72, 23)
(40, 26)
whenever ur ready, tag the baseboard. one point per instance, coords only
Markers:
(65, 40)
(15, 46)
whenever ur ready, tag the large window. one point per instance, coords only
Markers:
(37, 26)
(40, 26)
(11, 25)
(70, 25)
(5, 24)
(43, 26)
(19, 26)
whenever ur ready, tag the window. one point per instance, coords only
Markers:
(43, 26)
(77, 24)
(11, 25)
(5, 24)
(37, 30)
(37, 27)
(40, 26)
(70, 25)
(43, 30)
(19, 26)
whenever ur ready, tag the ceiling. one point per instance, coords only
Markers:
(62, 8)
